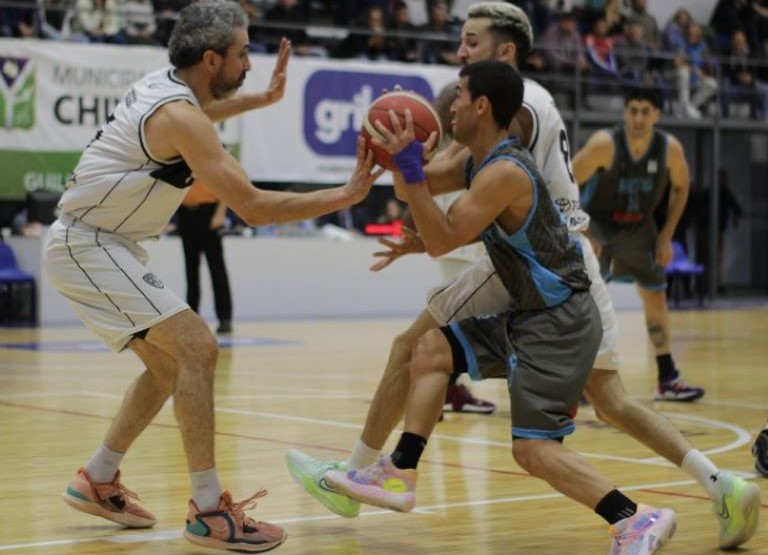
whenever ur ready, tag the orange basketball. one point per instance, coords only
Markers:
(425, 121)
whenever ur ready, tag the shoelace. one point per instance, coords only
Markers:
(237, 509)
(118, 489)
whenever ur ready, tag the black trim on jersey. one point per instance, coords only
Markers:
(172, 77)
(152, 110)
(535, 118)
(469, 297)
(178, 174)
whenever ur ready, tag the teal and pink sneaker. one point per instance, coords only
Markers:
(110, 500)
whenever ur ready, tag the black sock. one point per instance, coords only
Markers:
(615, 506)
(666, 367)
(408, 450)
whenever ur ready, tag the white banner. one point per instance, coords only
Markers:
(54, 96)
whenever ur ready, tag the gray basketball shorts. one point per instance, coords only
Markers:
(478, 290)
(106, 280)
(630, 255)
(545, 355)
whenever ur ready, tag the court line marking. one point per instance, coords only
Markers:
(163, 535)
(743, 436)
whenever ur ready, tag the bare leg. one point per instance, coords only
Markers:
(656, 318)
(606, 392)
(431, 367)
(388, 404)
(187, 340)
(565, 470)
(145, 397)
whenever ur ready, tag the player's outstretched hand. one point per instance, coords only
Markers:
(363, 176)
(276, 89)
(408, 243)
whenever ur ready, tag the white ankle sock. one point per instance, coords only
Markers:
(361, 456)
(698, 466)
(206, 489)
(104, 464)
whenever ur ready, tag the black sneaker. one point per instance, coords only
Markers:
(760, 452)
(225, 326)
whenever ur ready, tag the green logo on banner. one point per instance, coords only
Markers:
(17, 93)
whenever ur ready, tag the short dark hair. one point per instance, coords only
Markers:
(648, 94)
(500, 83)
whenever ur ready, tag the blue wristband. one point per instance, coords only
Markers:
(409, 162)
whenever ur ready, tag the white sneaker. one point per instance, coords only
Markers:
(309, 472)
(737, 509)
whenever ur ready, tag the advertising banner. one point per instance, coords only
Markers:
(54, 96)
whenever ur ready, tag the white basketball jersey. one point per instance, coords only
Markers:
(118, 185)
(552, 154)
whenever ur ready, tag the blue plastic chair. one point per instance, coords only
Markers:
(15, 284)
(682, 268)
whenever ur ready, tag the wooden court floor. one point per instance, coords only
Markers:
(307, 385)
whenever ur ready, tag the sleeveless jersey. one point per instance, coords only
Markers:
(626, 193)
(539, 264)
(552, 155)
(119, 185)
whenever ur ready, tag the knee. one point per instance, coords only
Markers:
(431, 353)
(527, 454)
(201, 355)
(608, 409)
(403, 344)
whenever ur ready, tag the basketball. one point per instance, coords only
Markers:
(425, 121)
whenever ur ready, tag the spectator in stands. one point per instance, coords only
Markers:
(599, 49)
(674, 33)
(743, 79)
(591, 11)
(350, 12)
(760, 24)
(371, 44)
(728, 17)
(166, 13)
(295, 14)
(100, 21)
(639, 14)
(18, 18)
(401, 43)
(440, 50)
(541, 13)
(418, 11)
(694, 71)
(139, 21)
(614, 17)
(561, 47)
(632, 52)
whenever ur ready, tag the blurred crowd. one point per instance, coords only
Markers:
(607, 43)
